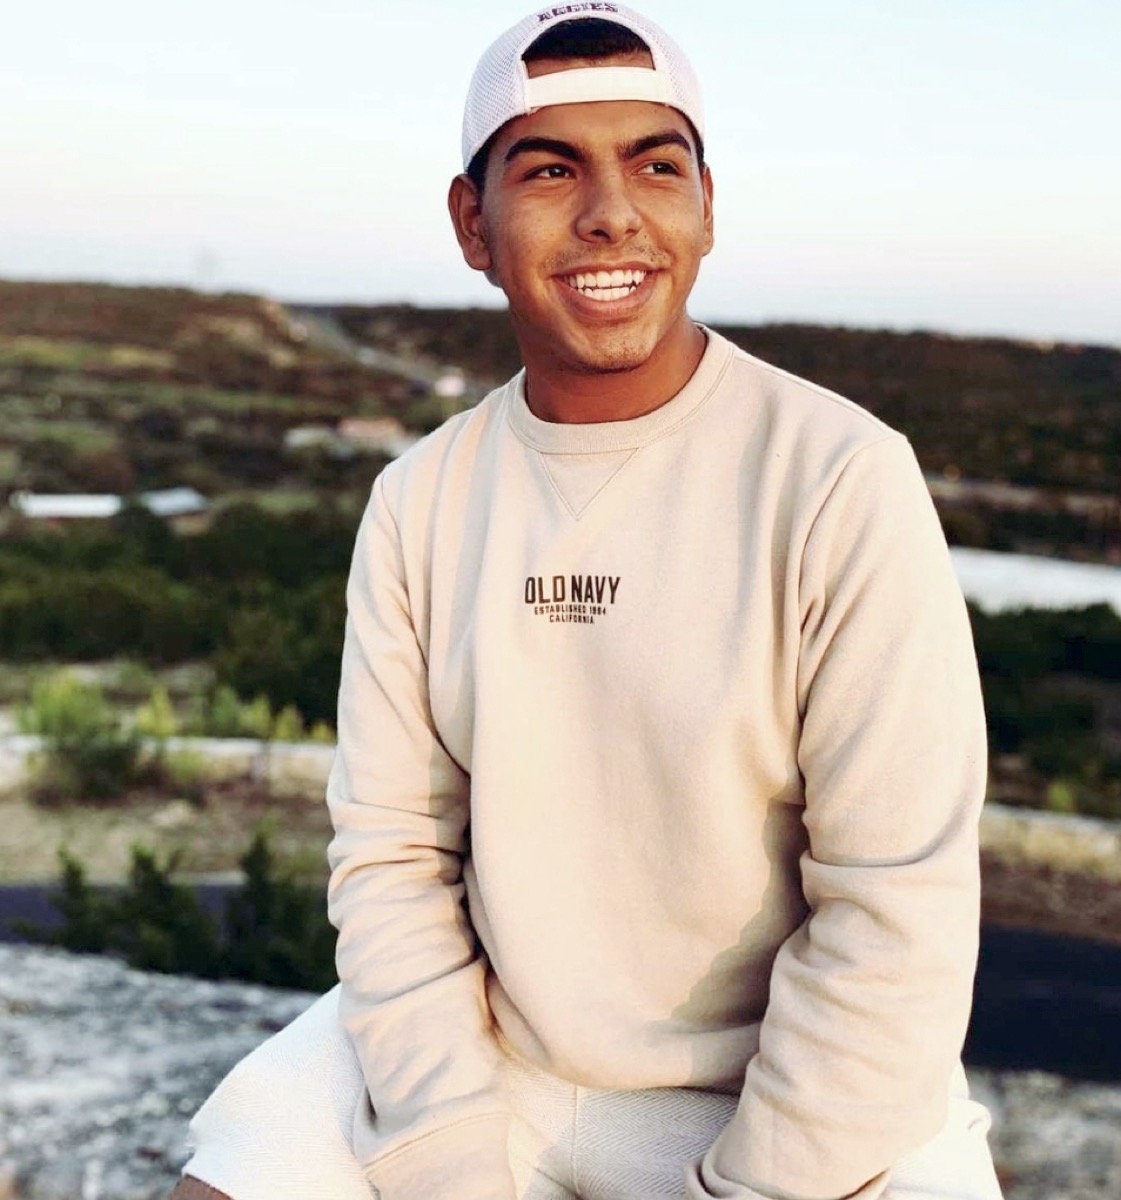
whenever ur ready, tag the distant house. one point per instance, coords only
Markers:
(310, 437)
(168, 503)
(451, 385)
(66, 508)
(377, 435)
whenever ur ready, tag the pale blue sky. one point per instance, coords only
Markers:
(948, 164)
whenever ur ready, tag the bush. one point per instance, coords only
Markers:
(288, 647)
(187, 772)
(156, 717)
(85, 929)
(277, 927)
(159, 925)
(84, 613)
(274, 928)
(223, 714)
(288, 725)
(86, 753)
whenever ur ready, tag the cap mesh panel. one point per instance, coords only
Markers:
(497, 90)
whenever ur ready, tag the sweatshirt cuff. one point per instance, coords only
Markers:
(702, 1182)
(469, 1160)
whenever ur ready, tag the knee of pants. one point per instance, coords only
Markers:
(956, 1164)
(279, 1126)
(313, 1054)
(301, 1085)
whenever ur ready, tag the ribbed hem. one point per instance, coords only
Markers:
(703, 1183)
(552, 437)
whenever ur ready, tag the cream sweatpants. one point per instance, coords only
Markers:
(278, 1127)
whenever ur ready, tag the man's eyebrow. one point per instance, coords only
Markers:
(543, 145)
(652, 141)
(627, 150)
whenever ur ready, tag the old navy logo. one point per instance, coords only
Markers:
(565, 10)
(580, 589)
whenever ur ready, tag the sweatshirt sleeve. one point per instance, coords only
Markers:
(870, 997)
(412, 995)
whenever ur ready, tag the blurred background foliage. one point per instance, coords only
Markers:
(119, 635)
(257, 596)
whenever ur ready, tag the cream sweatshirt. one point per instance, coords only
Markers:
(661, 754)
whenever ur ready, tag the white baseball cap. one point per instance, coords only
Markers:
(501, 88)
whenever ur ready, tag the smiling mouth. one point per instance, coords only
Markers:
(606, 285)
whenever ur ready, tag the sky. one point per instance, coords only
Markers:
(936, 164)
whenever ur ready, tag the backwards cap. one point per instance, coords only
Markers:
(501, 88)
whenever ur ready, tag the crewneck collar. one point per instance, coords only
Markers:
(553, 437)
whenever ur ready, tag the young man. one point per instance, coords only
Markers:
(660, 741)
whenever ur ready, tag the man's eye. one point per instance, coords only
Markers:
(551, 171)
(661, 167)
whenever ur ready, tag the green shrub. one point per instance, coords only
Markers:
(256, 718)
(277, 927)
(159, 925)
(288, 725)
(274, 928)
(156, 718)
(87, 755)
(322, 733)
(187, 772)
(219, 714)
(85, 913)
(224, 714)
(1062, 796)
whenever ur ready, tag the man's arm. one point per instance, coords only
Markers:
(870, 997)
(190, 1188)
(413, 994)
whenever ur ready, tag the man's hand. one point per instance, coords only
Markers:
(190, 1188)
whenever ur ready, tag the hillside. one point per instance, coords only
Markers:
(1028, 413)
(1044, 419)
(110, 389)
(124, 389)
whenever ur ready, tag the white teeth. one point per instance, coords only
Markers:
(606, 285)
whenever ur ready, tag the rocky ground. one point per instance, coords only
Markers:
(102, 1066)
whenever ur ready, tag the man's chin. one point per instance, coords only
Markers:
(611, 356)
(615, 365)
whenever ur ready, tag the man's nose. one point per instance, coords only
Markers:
(608, 212)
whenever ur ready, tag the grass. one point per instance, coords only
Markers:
(125, 681)
(60, 354)
(277, 502)
(50, 353)
(244, 404)
(138, 358)
(82, 436)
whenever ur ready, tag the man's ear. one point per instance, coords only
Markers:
(706, 183)
(465, 205)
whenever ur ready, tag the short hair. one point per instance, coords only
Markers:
(583, 37)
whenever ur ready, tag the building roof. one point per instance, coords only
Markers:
(174, 502)
(80, 507)
(166, 502)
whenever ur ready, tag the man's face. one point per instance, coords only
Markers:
(593, 221)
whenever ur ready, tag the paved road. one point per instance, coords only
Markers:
(325, 330)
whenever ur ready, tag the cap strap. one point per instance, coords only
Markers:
(583, 84)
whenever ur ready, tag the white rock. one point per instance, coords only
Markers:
(102, 1066)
